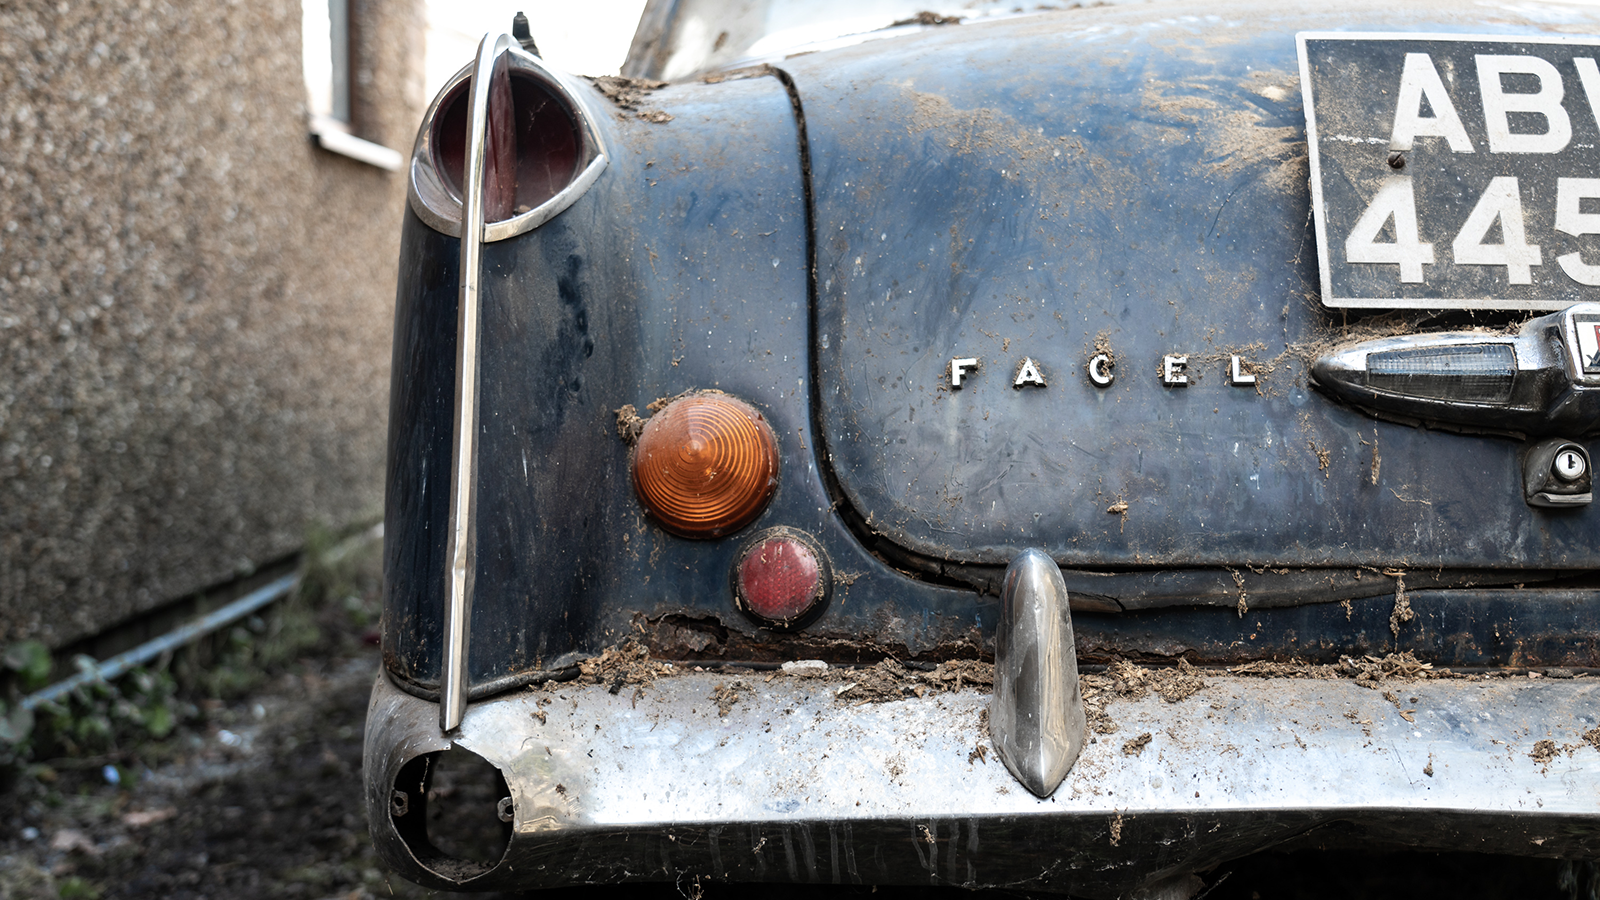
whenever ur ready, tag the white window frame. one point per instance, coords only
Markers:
(325, 38)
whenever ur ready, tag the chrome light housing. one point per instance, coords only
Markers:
(1545, 379)
(557, 149)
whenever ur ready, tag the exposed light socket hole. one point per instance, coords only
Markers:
(447, 807)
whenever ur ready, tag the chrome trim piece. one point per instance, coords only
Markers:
(1237, 376)
(437, 206)
(1550, 392)
(958, 369)
(1036, 717)
(461, 555)
(797, 784)
(1028, 374)
(1172, 370)
(1100, 370)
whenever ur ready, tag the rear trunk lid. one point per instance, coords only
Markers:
(1054, 187)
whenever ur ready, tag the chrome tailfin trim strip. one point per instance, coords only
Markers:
(461, 550)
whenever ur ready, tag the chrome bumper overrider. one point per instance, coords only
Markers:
(792, 785)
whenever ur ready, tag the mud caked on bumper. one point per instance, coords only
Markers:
(784, 780)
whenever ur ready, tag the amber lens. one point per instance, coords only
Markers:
(705, 466)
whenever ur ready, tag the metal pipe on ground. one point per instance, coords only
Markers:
(190, 631)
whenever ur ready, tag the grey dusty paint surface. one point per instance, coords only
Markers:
(195, 302)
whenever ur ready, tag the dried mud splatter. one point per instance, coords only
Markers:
(1324, 458)
(629, 424)
(625, 92)
(1235, 137)
(1265, 669)
(758, 71)
(1368, 671)
(1402, 605)
(631, 93)
(1127, 681)
(1377, 461)
(889, 680)
(628, 664)
(973, 130)
(724, 696)
(927, 18)
(1543, 752)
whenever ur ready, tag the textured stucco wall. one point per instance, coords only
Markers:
(195, 303)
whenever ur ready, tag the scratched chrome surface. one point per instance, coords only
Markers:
(792, 785)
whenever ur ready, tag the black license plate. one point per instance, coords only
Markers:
(1454, 171)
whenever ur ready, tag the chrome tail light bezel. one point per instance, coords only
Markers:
(440, 208)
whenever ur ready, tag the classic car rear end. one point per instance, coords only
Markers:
(1015, 342)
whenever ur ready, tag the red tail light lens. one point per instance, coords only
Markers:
(534, 143)
(705, 466)
(782, 579)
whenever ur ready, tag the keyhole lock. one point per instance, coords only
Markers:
(1570, 464)
(1555, 473)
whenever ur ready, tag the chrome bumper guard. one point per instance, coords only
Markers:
(794, 785)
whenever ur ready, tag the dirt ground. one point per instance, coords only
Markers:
(257, 793)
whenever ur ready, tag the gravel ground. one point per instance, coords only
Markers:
(259, 795)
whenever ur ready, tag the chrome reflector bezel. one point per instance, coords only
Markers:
(439, 207)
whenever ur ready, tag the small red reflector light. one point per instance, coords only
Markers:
(782, 579)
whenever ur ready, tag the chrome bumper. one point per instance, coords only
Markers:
(792, 785)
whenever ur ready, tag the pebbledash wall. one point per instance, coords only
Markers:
(195, 300)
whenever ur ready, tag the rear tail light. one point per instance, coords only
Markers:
(533, 144)
(782, 579)
(542, 150)
(705, 466)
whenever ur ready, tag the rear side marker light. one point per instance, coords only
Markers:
(541, 150)
(705, 466)
(782, 579)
